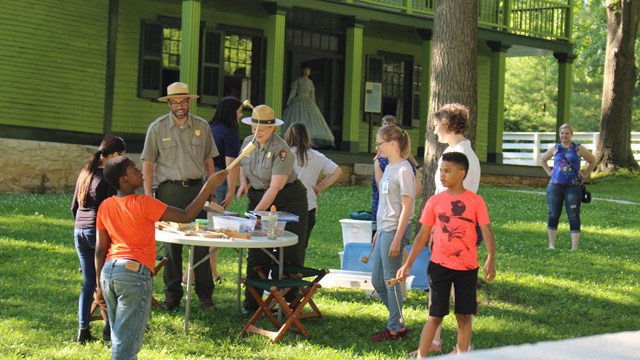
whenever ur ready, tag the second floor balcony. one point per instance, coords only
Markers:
(543, 19)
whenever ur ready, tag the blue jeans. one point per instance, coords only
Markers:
(384, 269)
(85, 240)
(571, 195)
(128, 297)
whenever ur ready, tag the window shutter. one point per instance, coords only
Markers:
(150, 71)
(211, 71)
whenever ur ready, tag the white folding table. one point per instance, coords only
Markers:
(256, 242)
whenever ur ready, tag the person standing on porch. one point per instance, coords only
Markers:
(178, 152)
(301, 107)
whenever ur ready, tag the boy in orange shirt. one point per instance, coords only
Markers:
(126, 251)
(453, 216)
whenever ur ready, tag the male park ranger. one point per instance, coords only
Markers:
(178, 152)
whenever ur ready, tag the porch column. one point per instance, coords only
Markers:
(352, 87)
(190, 47)
(496, 100)
(565, 84)
(277, 16)
(425, 87)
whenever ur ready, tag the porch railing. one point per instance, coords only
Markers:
(526, 148)
(547, 19)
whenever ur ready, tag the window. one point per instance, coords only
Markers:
(171, 40)
(312, 39)
(229, 62)
(238, 55)
(396, 73)
(417, 86)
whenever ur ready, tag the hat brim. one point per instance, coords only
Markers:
(166, 98)
(249, 121)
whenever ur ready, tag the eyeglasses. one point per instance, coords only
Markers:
(184, 102)
(380, 143)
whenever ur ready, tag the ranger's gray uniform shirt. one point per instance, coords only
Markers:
(274, 158)
(179, 152)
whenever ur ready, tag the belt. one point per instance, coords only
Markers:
(185, 183)
(131, 265)
(284, 187)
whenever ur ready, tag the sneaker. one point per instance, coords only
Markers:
(551, 247)
(436, 346)
(385, 335)
(455, 349)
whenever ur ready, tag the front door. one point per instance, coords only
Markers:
(326, 74)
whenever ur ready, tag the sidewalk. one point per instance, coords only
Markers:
(616, 346)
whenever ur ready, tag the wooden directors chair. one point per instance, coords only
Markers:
(278, 288)
(98, 313)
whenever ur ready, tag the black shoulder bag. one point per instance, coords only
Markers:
(586, 194)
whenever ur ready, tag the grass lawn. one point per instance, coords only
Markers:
(537, 295)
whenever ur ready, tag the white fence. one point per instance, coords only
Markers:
(526, 148)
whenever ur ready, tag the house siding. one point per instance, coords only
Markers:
(386, 39)
(54, 59)
(131, 113)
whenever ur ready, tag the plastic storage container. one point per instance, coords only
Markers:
(419, 268)
(352, 257)
(352, 280)
(356, 231)
(232, 223)
(264, 226)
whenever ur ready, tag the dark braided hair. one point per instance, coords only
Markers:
(115, 168)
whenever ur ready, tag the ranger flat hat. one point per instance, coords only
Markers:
(262, 115)
(177, 90)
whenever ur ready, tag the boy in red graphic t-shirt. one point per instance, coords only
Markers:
(453, 216)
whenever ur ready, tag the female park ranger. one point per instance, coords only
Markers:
(267, 177)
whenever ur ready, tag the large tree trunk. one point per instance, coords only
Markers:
(453, 75)
(614, 145)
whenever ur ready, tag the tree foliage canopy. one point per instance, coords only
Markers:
(531, 82)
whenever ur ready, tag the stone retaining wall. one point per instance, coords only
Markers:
(40, 167)
(45, 167)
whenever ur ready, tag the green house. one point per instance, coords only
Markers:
(74, 70)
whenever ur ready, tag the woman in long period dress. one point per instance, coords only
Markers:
(301, 107)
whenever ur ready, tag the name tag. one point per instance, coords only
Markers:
(166, 139)
(132, 265)
(384, 188)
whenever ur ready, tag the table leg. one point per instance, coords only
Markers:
(280, 273)
(239, 277)
(188, 298)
